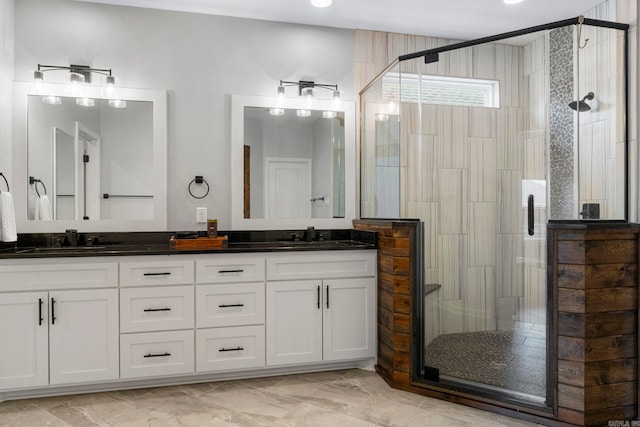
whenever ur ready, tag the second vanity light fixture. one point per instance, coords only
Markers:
(306, 89)
(79, 75)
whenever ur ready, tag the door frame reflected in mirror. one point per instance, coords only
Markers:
(238, 220)
(158, 98)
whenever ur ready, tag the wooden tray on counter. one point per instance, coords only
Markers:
(199, 243)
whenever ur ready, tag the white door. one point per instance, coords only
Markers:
(349, 318)
(24, 351)
(83, 334)
(294, 322)
(288, 188)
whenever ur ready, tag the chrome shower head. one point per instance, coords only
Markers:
(582, 105)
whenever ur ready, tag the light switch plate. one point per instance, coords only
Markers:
(201, 215)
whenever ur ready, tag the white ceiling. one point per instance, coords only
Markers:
(456, 19)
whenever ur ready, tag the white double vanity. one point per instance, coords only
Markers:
(77, 324)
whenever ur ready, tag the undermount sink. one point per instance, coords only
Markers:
(57, 249)
(296, 244)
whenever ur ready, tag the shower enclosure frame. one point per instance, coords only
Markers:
(480, 394)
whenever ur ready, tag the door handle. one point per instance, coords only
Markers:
(164, 273)
(40, 319)
(157, 309)
(165, 354)
(318, 297)
(53, 311)
(231, 349)
(327, 296)
(230, 305)
(530, 216)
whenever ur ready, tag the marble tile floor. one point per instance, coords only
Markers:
(349, 398)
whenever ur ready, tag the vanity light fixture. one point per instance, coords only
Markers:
(307, 88)
(79, 75)
(276, 111)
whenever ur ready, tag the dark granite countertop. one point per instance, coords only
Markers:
(591, 224)
(55, 245)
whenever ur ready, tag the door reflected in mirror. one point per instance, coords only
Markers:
(96, 160)
(294, 167)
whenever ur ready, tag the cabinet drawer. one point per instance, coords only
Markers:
(230, 348)
(153, 273)
(229, 269)
(59, 275)
(229, 305)
(156, 309)
(156, 354)
(321, 265)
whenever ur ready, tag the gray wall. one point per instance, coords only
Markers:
(6, 86)
(198, 59)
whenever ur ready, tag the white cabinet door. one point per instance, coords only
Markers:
(237, 347)
(229, 305)
(349, 319)
(294, 322)
(24, 360)
(83, 335)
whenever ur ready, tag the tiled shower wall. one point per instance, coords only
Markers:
(471, 166)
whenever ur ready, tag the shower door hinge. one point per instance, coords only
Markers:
(85, 158)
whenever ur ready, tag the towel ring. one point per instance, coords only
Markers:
(5, 181)
(198, 180)
(35, 183)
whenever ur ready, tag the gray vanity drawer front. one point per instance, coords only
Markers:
(155, 354)
(237, 347)
(154, 273)
(321, 265)
(232, 268)
(229, 305)
(156, 309)
(46, 276)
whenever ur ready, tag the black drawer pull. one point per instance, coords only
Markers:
(40, 319)
(165, 354)
(230, 271)
(318, 297)
(53, 311)
(230, 305)
(231, 349)
(157, 309)
(165, 273)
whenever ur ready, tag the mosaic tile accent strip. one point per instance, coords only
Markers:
(561, 142)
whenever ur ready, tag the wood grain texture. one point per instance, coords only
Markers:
(597, 276)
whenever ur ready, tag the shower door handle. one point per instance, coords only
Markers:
(530, 216)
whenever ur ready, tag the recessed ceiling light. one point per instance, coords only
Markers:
(512, 1)
(321, 3)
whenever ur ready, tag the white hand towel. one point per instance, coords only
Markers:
(43, 208)
(8, 232)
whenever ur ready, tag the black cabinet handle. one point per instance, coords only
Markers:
(231, 349)
(157, 309)
(327, 296)
(53, 311)
(318, 297)
(530, 216)
(230, 271)
(165, 354)
(230, 305)
(164, 273)
(40, 312)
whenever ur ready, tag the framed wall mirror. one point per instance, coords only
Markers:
(89, 162)
(293, 164)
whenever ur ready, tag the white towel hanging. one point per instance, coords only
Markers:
(43, 208)
(8, 231)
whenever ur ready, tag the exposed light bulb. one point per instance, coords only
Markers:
(321, 3)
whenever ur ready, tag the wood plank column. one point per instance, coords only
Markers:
(595, 285)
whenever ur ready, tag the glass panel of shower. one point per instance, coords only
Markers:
(486, 142)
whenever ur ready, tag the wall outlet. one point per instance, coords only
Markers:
(201, 215)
